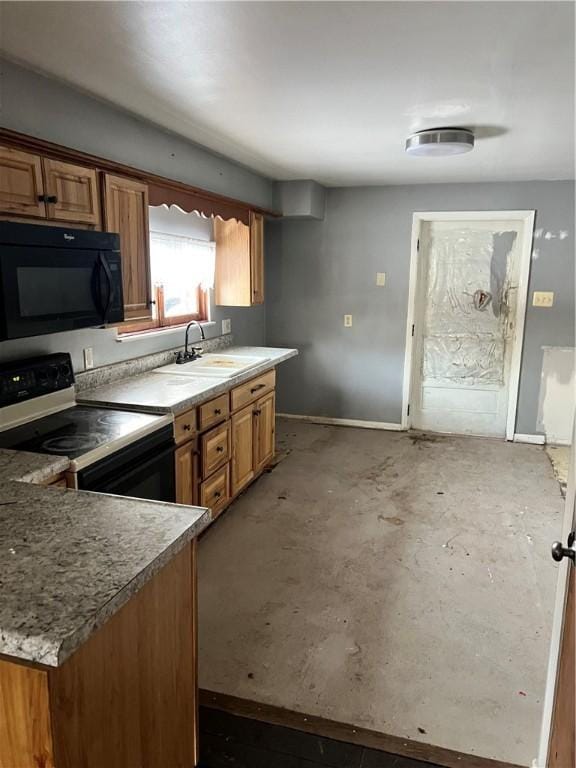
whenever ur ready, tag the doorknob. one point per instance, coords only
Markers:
(559, 552)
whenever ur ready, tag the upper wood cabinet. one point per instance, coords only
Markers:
(126, 212)
(71, 192)
(239, 280)
(21, 183)
(36, 186)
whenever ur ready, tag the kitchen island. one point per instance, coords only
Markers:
(97, 625)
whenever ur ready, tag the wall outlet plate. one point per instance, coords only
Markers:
(88, 358)
(226, 326)
(381, 279)
(347, 321)
(543, 298)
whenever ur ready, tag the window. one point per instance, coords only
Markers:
(182, 272)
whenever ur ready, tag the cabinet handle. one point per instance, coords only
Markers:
(256, 388)
(51, 199)
(257, 412)
(217, 411)
(219, 448)
(186, 427)
(42, 198)
(217, 494)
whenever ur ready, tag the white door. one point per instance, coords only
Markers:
(465, 325)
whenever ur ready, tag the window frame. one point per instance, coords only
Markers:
(161, 322)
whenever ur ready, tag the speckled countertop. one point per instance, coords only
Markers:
(70, 559)
(174, 393)
(30, 467)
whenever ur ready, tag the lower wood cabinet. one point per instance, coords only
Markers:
(235, 443)
(242, 449)
(215, 492)
(187, 473)
(264, 431)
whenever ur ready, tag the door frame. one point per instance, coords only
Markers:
(414, 313)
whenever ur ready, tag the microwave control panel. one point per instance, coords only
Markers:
(24, 379)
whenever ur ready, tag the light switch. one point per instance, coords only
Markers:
(381, 279)
(543, 298)
(347, 321)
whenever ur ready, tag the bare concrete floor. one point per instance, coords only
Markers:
(396, 582)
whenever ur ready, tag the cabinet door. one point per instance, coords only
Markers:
(232, 281)
(257, 257)
(187, 473)
(126, 212)
(72, 192)
(264, 431)
(21, 183)
(242, 449)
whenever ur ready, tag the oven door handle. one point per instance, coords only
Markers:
(103, 261)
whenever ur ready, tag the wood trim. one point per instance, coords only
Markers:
(155, 182)
(562, 750)
(189, 200)
(331, 729)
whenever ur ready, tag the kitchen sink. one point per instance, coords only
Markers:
(220, 366)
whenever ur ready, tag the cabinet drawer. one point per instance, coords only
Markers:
(215, 492)
(215, 449)
(213, 411)
(252, 390)
(185, 426)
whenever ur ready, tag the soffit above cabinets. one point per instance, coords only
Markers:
(326, 91)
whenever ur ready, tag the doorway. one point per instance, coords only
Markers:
(468, 292)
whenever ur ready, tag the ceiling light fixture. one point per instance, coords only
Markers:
(439, 142)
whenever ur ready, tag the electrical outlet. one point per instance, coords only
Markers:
(226, 326)
(88, 358)
(347, 321)
(543, 298)
(381, 279)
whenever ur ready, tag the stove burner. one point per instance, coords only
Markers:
(110, 418)
(81, 442)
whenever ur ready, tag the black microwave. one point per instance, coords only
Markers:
(56, 279)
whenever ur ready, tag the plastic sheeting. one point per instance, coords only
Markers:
(465, 339)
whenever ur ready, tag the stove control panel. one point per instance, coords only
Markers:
(24, 379)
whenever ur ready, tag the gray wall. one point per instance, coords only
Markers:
(39, 106)
(319, 270)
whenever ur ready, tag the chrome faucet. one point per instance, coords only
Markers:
(195, 353)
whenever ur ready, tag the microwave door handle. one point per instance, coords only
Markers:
(108, 274)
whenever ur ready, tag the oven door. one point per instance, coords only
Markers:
(145, 470)
(47, 290)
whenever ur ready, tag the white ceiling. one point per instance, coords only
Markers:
(326, 90)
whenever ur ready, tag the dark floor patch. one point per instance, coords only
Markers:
(227, 740)
(418, 438)
(391, 520)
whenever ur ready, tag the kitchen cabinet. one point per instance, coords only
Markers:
(186, 465)
(215, 492)
(127, 696)
(239, 279)
(225, 443)
(264, 431)
(242, 449)
(126, 212)
(39, 187)
(71, 193)
(21, 183)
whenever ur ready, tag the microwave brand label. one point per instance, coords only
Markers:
(69, 237)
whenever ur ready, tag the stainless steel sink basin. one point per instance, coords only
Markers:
(220, 366)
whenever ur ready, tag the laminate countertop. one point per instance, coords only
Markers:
(30, 467)
(176, 393)
(70, 559)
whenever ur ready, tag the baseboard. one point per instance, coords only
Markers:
(532, 439)
(344, 422)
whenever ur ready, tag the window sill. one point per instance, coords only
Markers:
(177, 330)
